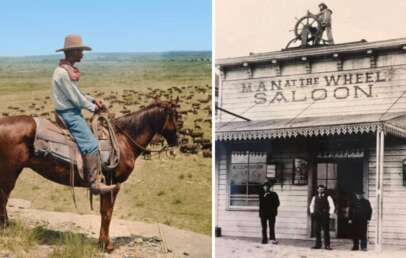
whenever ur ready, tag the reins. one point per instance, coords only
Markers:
(143, 149)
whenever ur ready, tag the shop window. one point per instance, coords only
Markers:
(327, 175)
(247, 173)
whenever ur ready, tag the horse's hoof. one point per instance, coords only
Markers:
(106, 247)
(109, 248)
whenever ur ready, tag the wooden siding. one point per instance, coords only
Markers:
(292, 218)
(383, 94)
(292, 221)
(392, 67)
(394, 195)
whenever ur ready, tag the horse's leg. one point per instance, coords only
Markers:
(106, 210)
(7, 183)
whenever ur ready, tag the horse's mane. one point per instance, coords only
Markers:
(150, 115)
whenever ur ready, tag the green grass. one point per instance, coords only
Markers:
(22, 241)
(171, 191)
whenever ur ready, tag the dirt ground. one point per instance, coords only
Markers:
(251, 247)
(130, 238)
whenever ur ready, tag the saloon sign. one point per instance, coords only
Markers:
(325, 87)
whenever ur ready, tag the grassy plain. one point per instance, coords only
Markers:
(175, 191)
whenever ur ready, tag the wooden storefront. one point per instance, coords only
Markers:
(332, 115)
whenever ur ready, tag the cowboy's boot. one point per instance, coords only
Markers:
(91, 162)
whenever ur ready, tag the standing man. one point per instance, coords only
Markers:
(324, 18)
(268, 210)
(321, 208)
(360, 214)
(69, 101)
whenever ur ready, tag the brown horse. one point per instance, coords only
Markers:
(134, 132)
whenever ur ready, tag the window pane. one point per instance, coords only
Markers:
(332, 171)
(321, 171)
(238, 200)
(321, 182)
(238, 173)
(257, 173)
(257, 157)
(239, 157)
(246, 179)
(253, 190)
(331, 184)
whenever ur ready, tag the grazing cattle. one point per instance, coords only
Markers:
(206, 153)
(189, 148)
(185, 131)
(196, 134)
(184, 140)
(197, 140)
(206, 144)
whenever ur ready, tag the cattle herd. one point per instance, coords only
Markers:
(194, 122)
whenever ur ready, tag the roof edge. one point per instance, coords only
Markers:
(352, 47)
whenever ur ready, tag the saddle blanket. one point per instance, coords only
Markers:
(53, 140)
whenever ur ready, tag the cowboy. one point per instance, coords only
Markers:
(69, 101)
(324, 17)
(360, 214)
(321, 208)
(268, 210)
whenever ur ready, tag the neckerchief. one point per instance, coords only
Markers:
(73, 72)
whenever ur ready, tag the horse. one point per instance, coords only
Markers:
(134, 131)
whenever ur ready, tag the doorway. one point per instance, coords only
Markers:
(342, 177)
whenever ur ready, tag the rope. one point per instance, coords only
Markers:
(115, 153)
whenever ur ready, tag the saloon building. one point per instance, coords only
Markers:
(332, 115)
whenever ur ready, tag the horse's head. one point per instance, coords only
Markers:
(169, 130)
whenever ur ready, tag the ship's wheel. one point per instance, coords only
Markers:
(308, 31)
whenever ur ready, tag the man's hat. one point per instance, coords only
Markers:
(271, 180)
(359, 192)
(324, 5)
(73, 42)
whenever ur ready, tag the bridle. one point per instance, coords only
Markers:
(144, 150)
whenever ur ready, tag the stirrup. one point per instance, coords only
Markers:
(99, 188)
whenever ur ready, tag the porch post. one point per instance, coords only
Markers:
(380, 137)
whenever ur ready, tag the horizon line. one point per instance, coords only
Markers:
(108, 52)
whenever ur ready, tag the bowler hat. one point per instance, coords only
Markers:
(271, 180)
(73, 41)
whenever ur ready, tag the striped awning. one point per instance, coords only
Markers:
(392, 123)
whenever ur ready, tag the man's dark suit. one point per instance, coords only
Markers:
(268, 210)
(360, 213)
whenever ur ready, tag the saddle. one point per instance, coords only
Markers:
(55, 140)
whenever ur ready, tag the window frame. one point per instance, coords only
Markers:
(229, 164)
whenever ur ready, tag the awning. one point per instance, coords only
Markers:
(392, 123)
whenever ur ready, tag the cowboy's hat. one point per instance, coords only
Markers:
(73, 42)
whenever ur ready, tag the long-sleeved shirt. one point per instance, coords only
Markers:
(330, 204)
(66, 93)
(325, 17)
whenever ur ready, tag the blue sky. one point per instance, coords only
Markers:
(39, 27)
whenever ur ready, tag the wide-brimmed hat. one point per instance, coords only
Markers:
(73, 42)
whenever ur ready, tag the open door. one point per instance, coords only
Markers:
(349, 181)
(342, 177)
